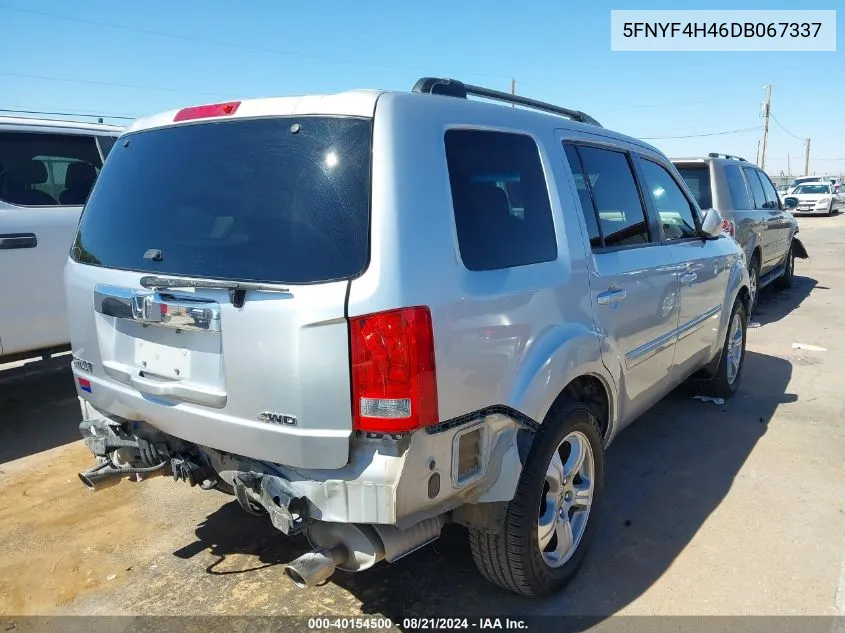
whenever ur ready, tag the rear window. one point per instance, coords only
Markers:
(47, 170)
(282, 200)
(697, 178)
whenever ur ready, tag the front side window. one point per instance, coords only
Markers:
(47, 170)
(672, 206)
(502, 210)
(621, 217)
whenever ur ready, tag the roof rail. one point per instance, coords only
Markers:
(460, 90)
(718, 155)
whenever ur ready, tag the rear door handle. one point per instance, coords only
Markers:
(611, 296)
(688, 278)
(9, 241)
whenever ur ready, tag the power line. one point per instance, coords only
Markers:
(657, 138)
(215, 42)
(70, 114)
(68, 111)
(785, 130)
(109, 84)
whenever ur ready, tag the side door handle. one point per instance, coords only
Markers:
(9, 241)
(611, 296)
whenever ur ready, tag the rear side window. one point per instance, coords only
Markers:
(282, 200)
(106, 143)
(772, 200)
(737, 188)
(697, 178)
(47, 170)
(672, 206)
(502, 211)
(583, 190)
(757, 192)
(616, 199)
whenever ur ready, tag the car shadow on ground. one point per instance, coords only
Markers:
(665, 475)
(37, 412)
(775, 303)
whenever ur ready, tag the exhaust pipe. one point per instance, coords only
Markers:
(105, 475)
(315, 567)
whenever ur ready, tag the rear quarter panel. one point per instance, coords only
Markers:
(515, 336)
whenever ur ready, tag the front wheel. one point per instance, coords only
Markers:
(725, 382)
(549, 523)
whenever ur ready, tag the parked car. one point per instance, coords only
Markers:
(47, 169)
(815, 197)
(371, 313)
(752, 213)
(801, 180)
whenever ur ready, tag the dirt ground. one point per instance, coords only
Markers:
(708, 510)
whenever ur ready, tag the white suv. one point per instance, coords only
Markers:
(370, 313)
(47, 169)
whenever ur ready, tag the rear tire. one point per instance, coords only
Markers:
(725, 382)
(512, 557)
(788, 276)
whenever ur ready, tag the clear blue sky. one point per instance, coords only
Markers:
(556, 50)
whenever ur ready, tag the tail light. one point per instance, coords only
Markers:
(207, 111)
(394, 383)
(728, 226)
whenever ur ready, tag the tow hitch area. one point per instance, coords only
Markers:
(118, 454)
(288, 512)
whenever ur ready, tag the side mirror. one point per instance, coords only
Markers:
(790, 203)
(711, 223)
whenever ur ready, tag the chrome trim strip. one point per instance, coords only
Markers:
(647, 350)
(154, 308)
(698, 322)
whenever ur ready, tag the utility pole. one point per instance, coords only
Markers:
(788, 168)
(767, 109)
(807, 157)
(513, 88)
(757, 160)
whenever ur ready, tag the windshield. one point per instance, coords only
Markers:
(817, 189)
(697, 178)
(282, 200)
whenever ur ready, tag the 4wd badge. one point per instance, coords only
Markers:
(277, 418)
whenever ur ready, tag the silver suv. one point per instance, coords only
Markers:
(752, 213)
(369, 314)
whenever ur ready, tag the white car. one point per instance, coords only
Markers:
(804, 180)
(815, 197)
(47, 169)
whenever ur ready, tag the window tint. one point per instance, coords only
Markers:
(502, 211)
(106, 143)
(248, 199)
(772, 200)
(587, 207)
(697, 178)
(737, 188)
(672, 206)
(47, 169)
(757, 192)
(622, 219)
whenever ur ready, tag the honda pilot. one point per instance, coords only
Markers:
(369, 314)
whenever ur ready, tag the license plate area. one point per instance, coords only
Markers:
(162, 360)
